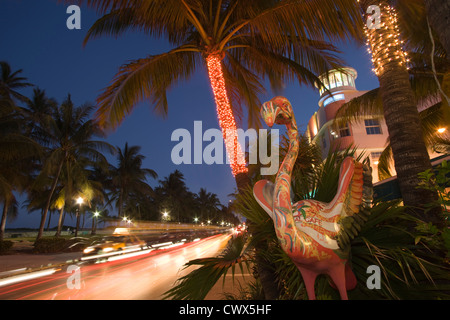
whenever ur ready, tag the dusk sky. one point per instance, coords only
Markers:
(34, 37)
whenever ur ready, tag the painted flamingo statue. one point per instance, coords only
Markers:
(315, 235)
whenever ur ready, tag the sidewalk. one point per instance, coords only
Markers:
(234, 287)
(21, 257)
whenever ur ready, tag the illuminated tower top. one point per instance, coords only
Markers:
(335, 83)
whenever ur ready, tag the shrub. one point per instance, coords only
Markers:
(49, 245)
(5, 246)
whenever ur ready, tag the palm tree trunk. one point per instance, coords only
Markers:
(60, 222)
(438, 13)
(47, 205)
(120, 203)
(49, 220)
(78, 222)
(3, 222)
(227, 121)
(401, 115)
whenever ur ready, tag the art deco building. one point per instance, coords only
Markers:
(368, 135)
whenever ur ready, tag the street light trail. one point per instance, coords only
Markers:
(145, 276)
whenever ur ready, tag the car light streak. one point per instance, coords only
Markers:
(28, 276)
(143, 274)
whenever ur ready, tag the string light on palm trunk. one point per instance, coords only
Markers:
(384, 43)
(226, 118)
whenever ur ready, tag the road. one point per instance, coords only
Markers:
(137, 277)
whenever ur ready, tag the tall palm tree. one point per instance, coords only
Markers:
(209, 204)
(129, 177)
(17, 150)
(68, 137)
(10, 82)
(400, 111)
(175, 194)
(240, 43)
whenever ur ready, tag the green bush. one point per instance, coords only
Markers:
(5, 246)
(49, 245)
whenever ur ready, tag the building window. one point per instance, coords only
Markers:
(334, 98)
(344, 131)
(375, 157)
(372, 126)
(345, 79)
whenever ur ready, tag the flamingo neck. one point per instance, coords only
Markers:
(282, 195)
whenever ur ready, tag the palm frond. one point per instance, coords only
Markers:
(334, 20)
(197, 284)
(147, 78)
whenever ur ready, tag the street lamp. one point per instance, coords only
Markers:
(165, 216)
(94, 222)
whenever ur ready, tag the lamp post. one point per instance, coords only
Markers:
(94, 222)
(79, 202)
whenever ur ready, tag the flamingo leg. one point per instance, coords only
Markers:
(309, 277)
(337, 274)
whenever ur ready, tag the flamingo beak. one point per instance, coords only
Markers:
(267, 113)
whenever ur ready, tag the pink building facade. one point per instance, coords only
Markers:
(369, 135)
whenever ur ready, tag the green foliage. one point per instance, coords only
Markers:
(438, 180)
(49, 245)
(5, 245)
(409, 270)
(407, 256)
(197, 284)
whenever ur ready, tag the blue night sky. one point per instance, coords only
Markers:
(34, 37)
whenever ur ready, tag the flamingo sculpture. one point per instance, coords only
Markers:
(315, 235)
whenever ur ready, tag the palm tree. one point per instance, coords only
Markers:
(176, 197)
(208, 203)
(68, 138)
(17, 150)
(129, 177)
(240, 43)
(10, 82)
(400, 111)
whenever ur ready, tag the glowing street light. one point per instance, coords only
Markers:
(441, 130)
(94, 222)
(79, 201)
(165, 216)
